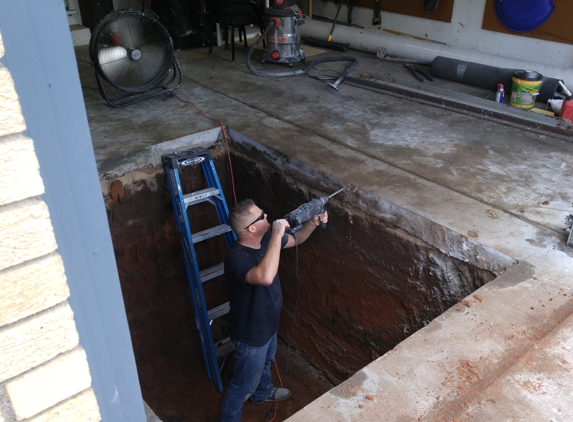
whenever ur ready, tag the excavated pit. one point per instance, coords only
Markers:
(364, 284)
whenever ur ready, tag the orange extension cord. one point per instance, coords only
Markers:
(275, 405)
(224, 137)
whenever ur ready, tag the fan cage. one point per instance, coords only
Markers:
(132, 51)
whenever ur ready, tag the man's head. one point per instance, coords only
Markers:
(246, 218)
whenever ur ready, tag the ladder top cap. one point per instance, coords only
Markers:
(186, 158)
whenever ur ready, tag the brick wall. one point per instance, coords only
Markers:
(44, 373)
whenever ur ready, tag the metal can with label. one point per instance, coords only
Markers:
(499, 94)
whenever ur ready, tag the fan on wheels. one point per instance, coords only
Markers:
(133, 52)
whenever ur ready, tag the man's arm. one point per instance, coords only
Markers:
(307, 228)
(264, 273)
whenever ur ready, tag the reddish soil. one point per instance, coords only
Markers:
(160, 313)
(363, 287)
(175, 386)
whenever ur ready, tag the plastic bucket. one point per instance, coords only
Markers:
(524, 88)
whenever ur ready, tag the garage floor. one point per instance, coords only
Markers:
(479, 173)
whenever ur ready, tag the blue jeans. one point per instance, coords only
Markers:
(251, 378)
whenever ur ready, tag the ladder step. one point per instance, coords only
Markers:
(209, 273)
(224, 347)
(212, 232)
(200, 196)
(219, 311)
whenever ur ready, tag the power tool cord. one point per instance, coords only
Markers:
(271, 414)
(295, 304)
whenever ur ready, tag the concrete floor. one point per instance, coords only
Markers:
(477, 186)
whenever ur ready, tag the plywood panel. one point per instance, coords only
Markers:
(556, 28)
(443, 12)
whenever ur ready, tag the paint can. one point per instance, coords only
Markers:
(524, 88)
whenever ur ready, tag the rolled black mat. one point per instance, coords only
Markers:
(485, 76)
(327, 44)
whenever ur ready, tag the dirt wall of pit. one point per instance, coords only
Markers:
(363, 286)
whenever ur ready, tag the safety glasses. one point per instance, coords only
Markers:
(259, 218)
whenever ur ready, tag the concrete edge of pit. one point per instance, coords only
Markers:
(151, 156)
(446, 240)
(507, 312)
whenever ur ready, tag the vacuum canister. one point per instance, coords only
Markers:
(283, 40)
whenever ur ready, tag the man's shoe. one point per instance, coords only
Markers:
(281, 394)
(430, 5)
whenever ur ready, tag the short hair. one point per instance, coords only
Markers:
(240, 216)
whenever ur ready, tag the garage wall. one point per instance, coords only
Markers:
(464, 31)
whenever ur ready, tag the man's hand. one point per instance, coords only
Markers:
(320, 218)
(307, 228)
(279, 227)
(264, 273)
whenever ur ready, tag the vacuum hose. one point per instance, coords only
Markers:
(291, 72)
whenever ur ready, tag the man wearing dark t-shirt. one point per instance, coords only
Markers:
(256, 300)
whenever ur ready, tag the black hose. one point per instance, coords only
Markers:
(486, 76)
(292, 72)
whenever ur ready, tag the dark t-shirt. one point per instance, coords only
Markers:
(255, 309)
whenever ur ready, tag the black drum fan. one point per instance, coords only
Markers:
(133, 52)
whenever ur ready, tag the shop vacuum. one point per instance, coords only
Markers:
(282, 36)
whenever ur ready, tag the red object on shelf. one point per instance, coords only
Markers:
(567, 110)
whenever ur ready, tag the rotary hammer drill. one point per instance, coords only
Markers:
(306, 212)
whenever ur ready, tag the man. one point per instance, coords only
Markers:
(256, 300)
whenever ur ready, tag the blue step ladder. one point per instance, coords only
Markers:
(212, 352)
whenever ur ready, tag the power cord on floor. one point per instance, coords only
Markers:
(272, 413)
(224, 137)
